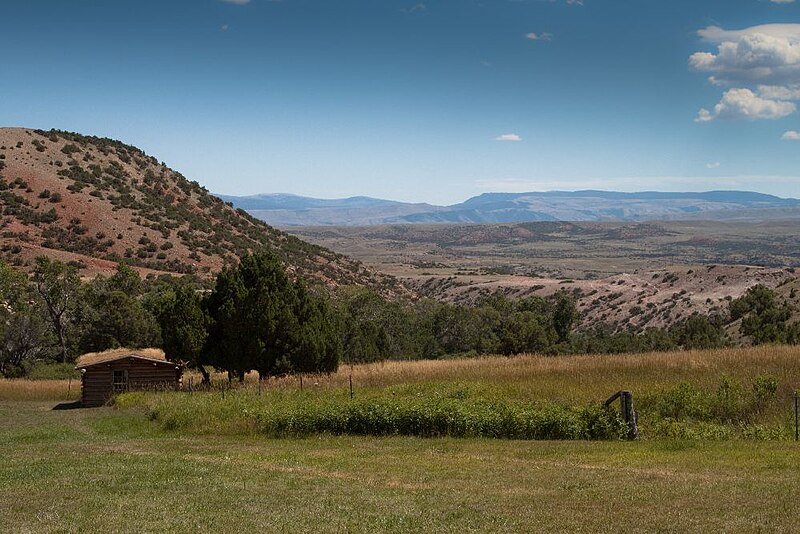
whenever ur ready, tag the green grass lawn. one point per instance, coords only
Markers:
(113, 470)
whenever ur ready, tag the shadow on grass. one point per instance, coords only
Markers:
(68, 405)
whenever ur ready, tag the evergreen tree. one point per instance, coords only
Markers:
(261, 320)
(184, 326)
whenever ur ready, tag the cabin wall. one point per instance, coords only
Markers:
(97, 381)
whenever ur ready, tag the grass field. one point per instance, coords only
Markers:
(113, 469)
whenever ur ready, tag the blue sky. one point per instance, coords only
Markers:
(432, 100)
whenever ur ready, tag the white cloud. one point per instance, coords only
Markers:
(779, 92)
(790, 135)
(533, 36)
(714, 165)
(237, 2)
(715, 34)
(745, 104)
(508, 137)
(224, 28)
(761, 63)
(782, 1)
(769, 53)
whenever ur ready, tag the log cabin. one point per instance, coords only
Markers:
(104, 374)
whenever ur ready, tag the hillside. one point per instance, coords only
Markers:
(96, 201)
(490, 208)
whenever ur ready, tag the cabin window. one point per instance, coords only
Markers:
(120, 380)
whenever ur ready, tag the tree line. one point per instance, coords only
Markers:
(255, 317)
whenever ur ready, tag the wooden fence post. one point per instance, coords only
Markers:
(628, 413)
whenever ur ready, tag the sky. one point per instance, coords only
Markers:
(422, 101)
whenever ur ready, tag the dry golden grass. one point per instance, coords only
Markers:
(570, 378)
(39, 390)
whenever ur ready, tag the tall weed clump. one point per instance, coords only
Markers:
(732, 409)
(289, 415)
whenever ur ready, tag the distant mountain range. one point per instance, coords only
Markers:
(291, 210)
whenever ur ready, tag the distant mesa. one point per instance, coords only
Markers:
(589, 205)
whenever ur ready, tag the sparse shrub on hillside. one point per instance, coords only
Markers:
(72, 239)
(70, 149)
(50, 216)
(77, 187)
(19, 183)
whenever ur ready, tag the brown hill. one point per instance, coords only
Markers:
(96, 201)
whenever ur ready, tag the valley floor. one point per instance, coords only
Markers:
(113, 470)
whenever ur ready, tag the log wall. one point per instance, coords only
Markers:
(97, 381)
